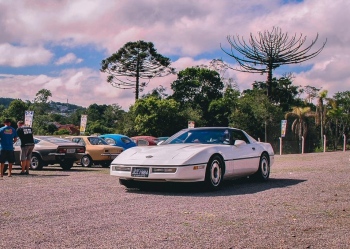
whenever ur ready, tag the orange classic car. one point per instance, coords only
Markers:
(98, 152)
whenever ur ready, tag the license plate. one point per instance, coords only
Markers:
(70, 150)
(140, 172)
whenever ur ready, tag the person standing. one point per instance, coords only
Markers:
(25, 134)
(8, 136)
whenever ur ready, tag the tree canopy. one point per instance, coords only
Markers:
(196, 88)
(133, 62)
(270, 50)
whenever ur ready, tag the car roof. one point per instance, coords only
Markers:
(143, 137)
(114, 135)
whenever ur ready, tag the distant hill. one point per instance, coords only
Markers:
(5, 101)
(56, 106)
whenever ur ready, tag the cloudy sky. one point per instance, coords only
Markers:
(59, 44)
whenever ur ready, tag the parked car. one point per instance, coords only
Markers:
(119, 140)
(51, 150)
(145, 140)
(160, 140)
(98, 151)
(206, 155)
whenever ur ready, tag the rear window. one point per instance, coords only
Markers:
(55, 140)
(126, 140)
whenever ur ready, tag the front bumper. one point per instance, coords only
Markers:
(190, 173)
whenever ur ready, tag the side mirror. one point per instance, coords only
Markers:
(239, 142)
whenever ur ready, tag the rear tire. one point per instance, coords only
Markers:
(5, 169)
(214, 173)
(66, 165)
(86, 161)
(263, 172)
(36, 162)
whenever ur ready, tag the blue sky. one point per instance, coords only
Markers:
(58, 45)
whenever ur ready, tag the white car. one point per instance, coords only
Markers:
(203, 154)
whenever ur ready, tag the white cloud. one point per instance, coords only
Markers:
(69, 58)
(20, 56)
(187, 30)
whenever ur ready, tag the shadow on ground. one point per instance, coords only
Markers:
(230, 187)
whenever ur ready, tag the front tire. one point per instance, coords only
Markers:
(86, 161)
(214, 173)
(263, 172)
(36, 162)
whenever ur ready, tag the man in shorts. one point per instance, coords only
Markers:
(25, 133)
(8, 136)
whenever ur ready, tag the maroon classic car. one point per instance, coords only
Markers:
(145, 140)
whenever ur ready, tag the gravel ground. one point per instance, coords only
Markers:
(306, 204)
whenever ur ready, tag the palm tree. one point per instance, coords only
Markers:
(321, 112)
(300, 123)
(336, 117)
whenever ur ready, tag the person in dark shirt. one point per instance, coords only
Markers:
(25, 134)
(8, 136)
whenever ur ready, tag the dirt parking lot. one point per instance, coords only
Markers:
(306, 204)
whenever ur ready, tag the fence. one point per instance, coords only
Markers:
(296, 146)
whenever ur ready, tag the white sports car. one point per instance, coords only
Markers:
(196, 154)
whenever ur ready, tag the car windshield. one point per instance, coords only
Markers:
(202, 136)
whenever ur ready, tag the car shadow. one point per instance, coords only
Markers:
(16, 169)
(241, 186)
(38, 175)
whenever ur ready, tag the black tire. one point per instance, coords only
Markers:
(214, 173)
(66, 165)
(86, 161)
(128, 183)
(263, 172)
(105, 164)
(36, 162)
(5, 169)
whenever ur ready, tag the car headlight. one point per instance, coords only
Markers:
(121, 168)
(163, 170)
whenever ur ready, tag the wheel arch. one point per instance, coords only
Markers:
(267, 155)
(37, 154)
(222, 159)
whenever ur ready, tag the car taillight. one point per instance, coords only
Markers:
(81, 150)
(61, 150)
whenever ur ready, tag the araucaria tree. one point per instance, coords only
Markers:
(269, 50)
(134, 62)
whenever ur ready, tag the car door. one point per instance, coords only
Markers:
(245, 154)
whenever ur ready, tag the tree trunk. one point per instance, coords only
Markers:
(269, 81)
(137, 87)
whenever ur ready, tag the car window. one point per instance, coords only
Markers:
(78, 140)
(110, 141)
(210, 136)
(126, 140)
(55, 140)
(239, 135)
(142, 142)
(97, 141)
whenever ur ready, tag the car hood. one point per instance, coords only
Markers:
(170, 154)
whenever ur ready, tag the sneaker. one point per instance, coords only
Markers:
(27, 173)
(22, 173)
